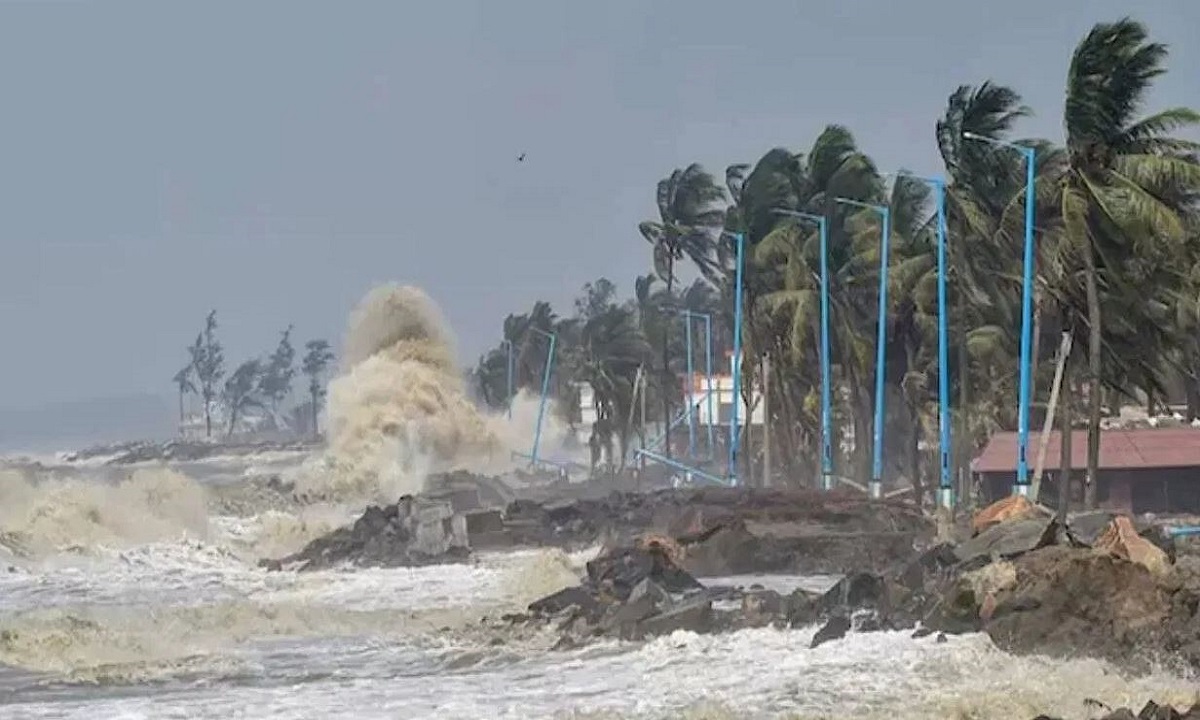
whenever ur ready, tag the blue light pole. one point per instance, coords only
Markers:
(945, 487)
(826, 401)
(537, 433)
(689, 315)
(875, 487)
(508, 346)
(691, 387)
(740, 239)
(1023, 395)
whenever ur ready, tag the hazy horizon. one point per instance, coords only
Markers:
(275, 161)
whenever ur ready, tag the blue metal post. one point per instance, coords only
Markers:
(826, 373)
(875, 487)
(826, 400)
(708, 372)
(1022, 484)
(691, 388)
(737, 360)
(946, 489)
(876, 484)
(537, 433)
(1021, 487)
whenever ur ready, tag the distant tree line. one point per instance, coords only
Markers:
(260, 384)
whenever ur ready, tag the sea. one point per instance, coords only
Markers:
(137, 594)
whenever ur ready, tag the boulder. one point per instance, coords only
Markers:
(1123, 541)
(694, 616)
(1008, 539)
(1013, 507)
(834, 629)
(623, 568)
(1085, 528)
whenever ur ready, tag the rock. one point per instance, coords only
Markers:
(1008, 539)
(624, 568)
(1006, 510)
(560, 601)
(624, 618)
(1153, 711)
(761, 607)
(802, 608)
(858, 590)
(693, 616)
(414, 531)
(656, 592)
(1122, 540)
(1085, 528)
(834, 629)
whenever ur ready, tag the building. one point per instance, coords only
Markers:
(1141, 470)
(723, 399)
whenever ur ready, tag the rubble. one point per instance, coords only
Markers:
(1024, 582)
(1150, 711)
(414, 531)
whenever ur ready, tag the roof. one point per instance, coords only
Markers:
(1127, 449)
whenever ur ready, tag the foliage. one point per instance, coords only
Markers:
(1118, 265)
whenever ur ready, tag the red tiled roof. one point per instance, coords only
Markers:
(1140, 448)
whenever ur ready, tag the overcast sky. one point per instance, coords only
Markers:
(274, 160)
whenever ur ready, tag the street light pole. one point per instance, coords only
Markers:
(731, 471)
(1021, 486)
(537, 433)
(875, 487)
(945, 486)
(826, 392)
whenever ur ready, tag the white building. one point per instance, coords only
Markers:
(723, 397)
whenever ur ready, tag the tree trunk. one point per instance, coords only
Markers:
(766, 431)
(1191, 389)
(914, 454)
(207, 417)
(1066, 405)
(1094, 348)
(666, 360)
(181, 411)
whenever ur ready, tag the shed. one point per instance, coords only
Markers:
(1140, 470)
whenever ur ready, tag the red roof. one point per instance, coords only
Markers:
(1140, 448)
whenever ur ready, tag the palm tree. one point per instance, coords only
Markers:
(609, 351)
(1122, 176)
(688, 220)
(183, 381)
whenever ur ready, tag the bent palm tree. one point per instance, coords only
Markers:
(689, 218)
(1121, 177)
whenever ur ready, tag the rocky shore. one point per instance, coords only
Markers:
(725, 531)
(1095, 588)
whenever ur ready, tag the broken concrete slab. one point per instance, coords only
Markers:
(1008, 539)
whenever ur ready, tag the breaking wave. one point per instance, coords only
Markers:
(399, 408)
(43, 516)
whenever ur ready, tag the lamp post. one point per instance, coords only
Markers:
(1021, 487)
(875, 487)
(945, 486)
(689, 315)
(537, 433)
(508, 346)
(826, 402)
(740, 240)
(691, 387)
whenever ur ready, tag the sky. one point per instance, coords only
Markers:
(275, 160)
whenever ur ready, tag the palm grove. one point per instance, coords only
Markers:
(257, 384)
(1117, 270)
